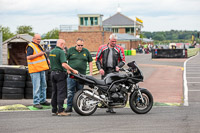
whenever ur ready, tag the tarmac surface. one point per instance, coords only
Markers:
(161, 119)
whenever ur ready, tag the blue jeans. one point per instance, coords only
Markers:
(72, 87)
(39, 87)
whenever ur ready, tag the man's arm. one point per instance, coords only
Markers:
(66, 66)
(98, 58)
(31, 57)
(122, 57)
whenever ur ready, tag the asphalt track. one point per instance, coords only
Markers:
(158, 73)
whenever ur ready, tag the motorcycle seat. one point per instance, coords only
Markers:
(97, 81)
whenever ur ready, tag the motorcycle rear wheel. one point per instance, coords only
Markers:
(137, 105)
(81, 104)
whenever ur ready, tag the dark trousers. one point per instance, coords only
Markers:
(59, 87)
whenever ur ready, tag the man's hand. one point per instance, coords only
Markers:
(75, 71)
(117, 68)
(41, 53)
(101, 71)
(68, 71)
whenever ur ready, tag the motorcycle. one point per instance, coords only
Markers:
(113, 91)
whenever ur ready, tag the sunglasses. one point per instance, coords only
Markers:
(80, 45)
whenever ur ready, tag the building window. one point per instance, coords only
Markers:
(86, 21)
(115, 30)
(91, 21)
(129, 30)
(81, 21)
(96, 21)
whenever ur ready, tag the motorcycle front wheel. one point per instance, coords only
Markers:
(83, 104)
(139, 106)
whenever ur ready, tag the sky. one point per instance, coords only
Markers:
(45, 15)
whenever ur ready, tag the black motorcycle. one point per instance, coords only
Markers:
(112, 91)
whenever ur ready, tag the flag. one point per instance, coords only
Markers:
(139, 20)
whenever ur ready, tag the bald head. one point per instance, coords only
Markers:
(37, 38)
(61, 43)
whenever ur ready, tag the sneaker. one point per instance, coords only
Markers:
(54, 114)
(38, 106)
(68, 109)
(110, 110)
(46, 103)
(64, 114)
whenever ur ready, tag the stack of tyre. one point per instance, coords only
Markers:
(14, 83)
(28, 92)
(1, 80)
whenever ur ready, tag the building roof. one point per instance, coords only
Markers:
(19, 38)
(126, 37)
(118, 19)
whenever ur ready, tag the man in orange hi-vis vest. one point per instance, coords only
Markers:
(37, 64)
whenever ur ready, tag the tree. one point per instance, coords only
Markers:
(6, 33)
(25, 30)
(159, 37)
(53, 34)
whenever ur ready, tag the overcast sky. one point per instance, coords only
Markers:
(45, 15)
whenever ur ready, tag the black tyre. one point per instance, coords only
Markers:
(1, 77)
(15, 71)
(136, 103)
(10, 77)
(29, 84)
(1, 83)
(28, 77)
(0, 96)
(10, 90)
(12, 96)
(28, 95)
(14, 84)
(2, 70)
(80, 103)
(28, 90)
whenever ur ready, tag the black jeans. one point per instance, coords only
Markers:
(59, 87)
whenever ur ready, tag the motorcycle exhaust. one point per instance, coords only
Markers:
(90, 94)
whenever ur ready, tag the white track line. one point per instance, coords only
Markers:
(185, 82)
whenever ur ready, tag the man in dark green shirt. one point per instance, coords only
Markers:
(77, 57)
(58, 76)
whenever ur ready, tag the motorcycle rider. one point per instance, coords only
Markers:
(110, 58)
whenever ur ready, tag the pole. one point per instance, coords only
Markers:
(1, 40)
(135, 27)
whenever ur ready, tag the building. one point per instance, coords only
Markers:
(96, 32)
(14, 50)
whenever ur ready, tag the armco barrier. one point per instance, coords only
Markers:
(169, 53)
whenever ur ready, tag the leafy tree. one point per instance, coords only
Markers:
(53, 34)
(25, 30)
(159, 37)
(6, 33)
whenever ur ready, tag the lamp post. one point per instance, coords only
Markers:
(1, 40)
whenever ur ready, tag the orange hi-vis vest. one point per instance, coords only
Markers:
(39, 63)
